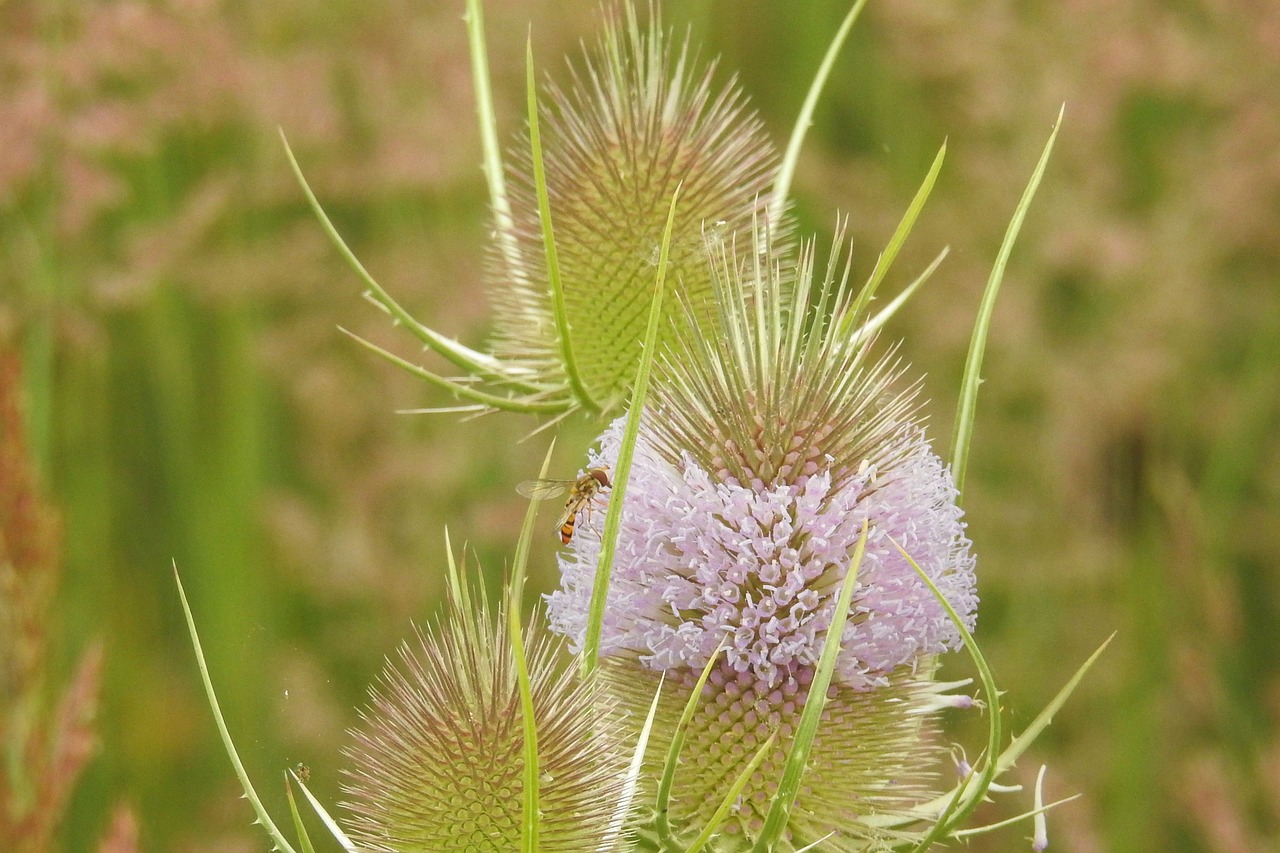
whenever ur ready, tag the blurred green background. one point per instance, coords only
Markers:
(190, 398)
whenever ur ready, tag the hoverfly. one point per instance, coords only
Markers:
(582, 493)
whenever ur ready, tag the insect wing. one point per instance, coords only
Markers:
(540, 490)
(572, 507)
(577, 502)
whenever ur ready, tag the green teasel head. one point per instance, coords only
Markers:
(639, 119)
(877, 759)
(437, 763)
(580, 203)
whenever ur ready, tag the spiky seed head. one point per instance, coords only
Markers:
(437, 762)
(876, 754)
(638, 119)
(767, 447)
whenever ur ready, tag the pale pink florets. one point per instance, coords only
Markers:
(701, 558)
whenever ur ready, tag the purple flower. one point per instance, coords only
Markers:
(703, 558)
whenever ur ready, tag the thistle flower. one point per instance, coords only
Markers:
(437, 762)
(766, 450)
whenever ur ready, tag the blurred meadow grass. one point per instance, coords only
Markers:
(190, 399)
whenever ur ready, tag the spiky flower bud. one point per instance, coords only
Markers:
(437, 763)
(766, 451)
(579, 220)
(638, 121)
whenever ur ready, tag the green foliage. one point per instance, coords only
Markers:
(189, 398)
(963, 432)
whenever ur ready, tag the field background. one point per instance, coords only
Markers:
(189, 397)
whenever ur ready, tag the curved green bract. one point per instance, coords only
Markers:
(798, 755)
(328, 821)
(488, 123)
(963, 431)
(896, 241)
(662, 818)
(563, 333)
(731, 796)
(509, 404)
(613, 516)
(787, 169)
(223, 732)
(515, 595)
(472, 361)
(967, 795)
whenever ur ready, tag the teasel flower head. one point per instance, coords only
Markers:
(579, 213)
(764, 453)
(638, 120)
(437, 761)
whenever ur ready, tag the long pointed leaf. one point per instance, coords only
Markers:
(787, 169)
(554, 282)
(802, 742)
(1045, 717)
(223, 732)
(963, 431)
(663, 802)
(731, 796)
(508, 404)
(515, 595)
(896, 241)
(613, 516)
(493, 171)
(472, 361)
(327, 819)
(972, 789)
(619, 818)
(300, 829)
(869, 328)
